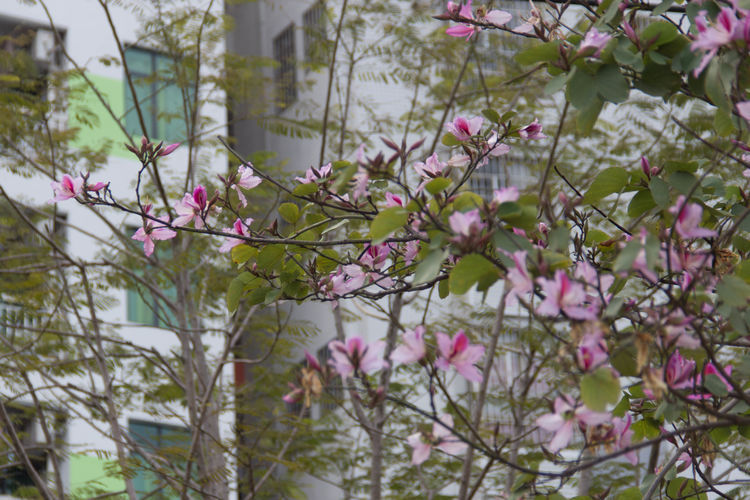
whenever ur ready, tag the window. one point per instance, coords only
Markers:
(159, 96)
(15, 478)
(14, 319)
(285, 74)
(335, 391)
(28, 54)
(167, 446)
(500, 172)
(314, 24)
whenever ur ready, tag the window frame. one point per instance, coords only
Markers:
(285, 73)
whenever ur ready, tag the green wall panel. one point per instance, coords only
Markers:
(90, 476)
(86, 112)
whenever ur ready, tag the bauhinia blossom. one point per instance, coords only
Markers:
(521, 282)
(309, 382)
(356, 355)
(313, 174)
(430, 169)
(240, 228)
(464, 128)
(532, 131)
(192, 207)
(498, 17)
(460, 354)
(566, 417)
(743, 108)
(678, 374)
(505, 194)
(566, 295)
(463, 30)
(688, 221)
(466, 224)
(711, 39)
(592, 352)
(67, 188)
(245, 180)
(168, 149)
(413, 348)
(595, 40)
(441, 438)
(153, 230)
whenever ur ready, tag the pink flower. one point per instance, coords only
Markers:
(167, 150)
(688, 220)
(462, 31)
(711, 39)
(494, 147)
(562, 294)
(466, 224)
(594, 40)
(678, 374)
(97, 186)
(459, 161)
(411, 250)
(563, 421)
(153, 230)
(245, 180)
(459, 353)
(505, 194)
(360, 179)
(592, 351)
(521, 283)
(313, 174)
(463, 129)
(498, 17)
(532, 131)
(430, 169)
(441, 438)
(192, 207)
(743, 108)
(623, 436)
(356, 355)
(239, 228)
(67, 188)
(413, 348)
(392, 200)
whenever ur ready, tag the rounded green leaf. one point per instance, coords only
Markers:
(289, 212)
(600, 388)
(608, 181)
(468, 271)
(386, 222)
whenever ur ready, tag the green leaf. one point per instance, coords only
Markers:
(386, 222)
(556, 84)
(579, 88)
(600, 388)
(289, 212)
(587, 116)
(559, 239)
(509, 209)
(305, 189)
(720, 434)
(430, 267)
(468, 271)
(467, 201)
(714, 384)
(444, 288)
(733, 291)
(682, 182)
(450, 140)
(715, 88)
(327, 261)
(662, 7)
(234, 293)
(544, 52)
(270, 256)
(611, 85)
(243, 253)
(723, 123)
(662, 31)
(659, 191)
(595, 236)
(641, 202)
(437, 185)
(624, 261)
(608, 181)
(624, 359)
(658, 80)
(632, 493)
(491, 115)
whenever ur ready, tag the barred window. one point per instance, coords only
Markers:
(285, 75)
(500, 172)
(314, 24)
(335, 390)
